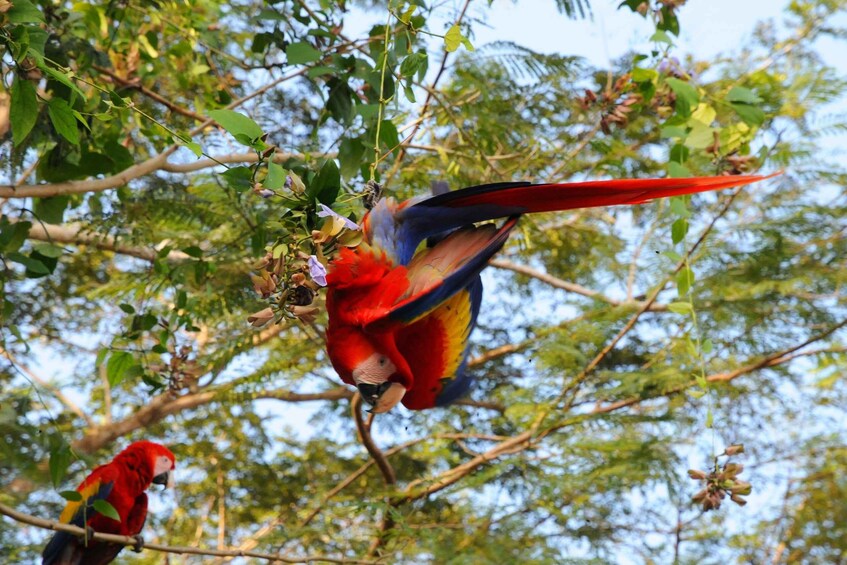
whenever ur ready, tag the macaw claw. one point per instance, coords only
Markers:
(139, 543)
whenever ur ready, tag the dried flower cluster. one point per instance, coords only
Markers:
(289, 278)
(721, 482)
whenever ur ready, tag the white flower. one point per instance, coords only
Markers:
(326, 211)
(317, 270)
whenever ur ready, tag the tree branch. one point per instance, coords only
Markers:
(136, 85)
(180, 550)
(556, 282)
(75, 234)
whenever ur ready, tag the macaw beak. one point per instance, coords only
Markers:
(382, 397)
(166, 479)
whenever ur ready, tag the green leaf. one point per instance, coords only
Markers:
(673, 256)
(101, 356)
(751, 115)
(706, 346)
(242, 128)
(412, 63)
(117, 100)
(34, 267)
(679, 153)
(676, 170)
(49, 250)
(12, 236)
(678, 207)
(51, 210)
(661, 37)
(24, 12)
(103, 507)
(643, 75)
(350, 154)
(326, 184)
(193, 251)
(118, 367)
(71, 495)
(680, 307)
(339, 103)
(60, 459)
(678, 230)
(687, 96)
(388, 136)
(194, 147)
(743, 95)
(64, 78)
(684, 280)
(23, 111)
(127, 308)
(453, 38)
(301, 53)
(238, 178)
(276, 177)
(673, 131)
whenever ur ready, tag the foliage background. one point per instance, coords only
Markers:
(610, 341)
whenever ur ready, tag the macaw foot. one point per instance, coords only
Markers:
(139, 543)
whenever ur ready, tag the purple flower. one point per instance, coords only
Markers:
(326, 211)
(317, 270)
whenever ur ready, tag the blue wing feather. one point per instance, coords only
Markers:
(460, 279)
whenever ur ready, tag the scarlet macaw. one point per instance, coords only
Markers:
(400, 318)
(122, 484)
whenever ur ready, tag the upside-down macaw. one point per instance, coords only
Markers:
(122, 484)
(400, 316)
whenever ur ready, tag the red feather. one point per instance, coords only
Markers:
(121, 483)
(378, 307)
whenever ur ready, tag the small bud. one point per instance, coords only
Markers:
(261, 318)
(697, 474)
(306, 313)
(731, 470)
(742, 488)
(738, 500)
(268, 152)
(297, 279)
(734, 449)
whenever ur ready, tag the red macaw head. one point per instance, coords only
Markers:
(157, 460)
(373, 363)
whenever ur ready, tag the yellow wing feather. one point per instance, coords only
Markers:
(72, 507)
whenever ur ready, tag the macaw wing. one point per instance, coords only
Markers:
(417, 220)
(61, 547)
(438, 273)
(436, 347)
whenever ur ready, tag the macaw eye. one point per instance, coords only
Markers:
(383, 361)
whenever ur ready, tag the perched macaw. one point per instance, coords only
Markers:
(122, 484)
(400, 316)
